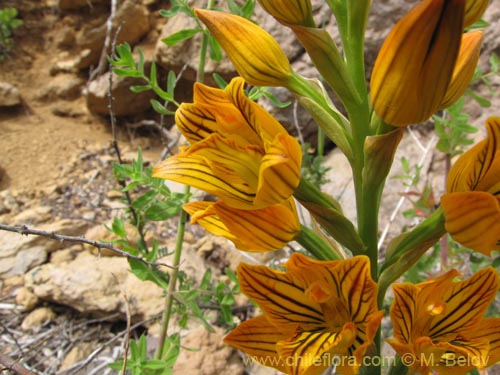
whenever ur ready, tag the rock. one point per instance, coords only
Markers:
(62, 86)
(38, 317)
(97, 286)
(210, 355)
(131, 14)
(33, 215)
(9, 95)
(21, 253)
(26, 298)
(125, 102)
(77, 353)
(76, 4)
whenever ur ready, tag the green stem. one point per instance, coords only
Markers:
(316, 245)
(398, 368)
(167, 312)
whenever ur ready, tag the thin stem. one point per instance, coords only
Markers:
(25, 230)
(167, 312)
(133, 213)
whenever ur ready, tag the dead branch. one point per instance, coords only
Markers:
(104, 55)
(25, 230)
(10, 364)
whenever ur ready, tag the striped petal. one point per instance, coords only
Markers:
(456, 358)
(218, 166)
(311, 353)
(466, 302)
(464, 67)
(349, 281)
(415, 64)
(479, 167)
(474, 9)
(281, 297)
(473, 219)
(256, 117)
(257, 338)
(266, 229)
(403, 311)
(213, 111)
(261, 63)
(279, 173)
(296, 12)
(489, 329)
(437, 322)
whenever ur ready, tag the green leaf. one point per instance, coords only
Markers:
(219, 81)
(171, 82)
(275, 101)
(140, 88)
(214, 48)
(159, 108)
(494, 62)
(247, 10)
(145, 199)
(180, 36)
(118, 227)
(162, 210)
(483, 102)
(144, 272)
(173, 11)
(233, 7)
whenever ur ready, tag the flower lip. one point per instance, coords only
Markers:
(238, 152)
(298, 326)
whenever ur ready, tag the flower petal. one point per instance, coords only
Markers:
(266, 229)
(353, 285)
(213, 111)
(296, 12)
(281, 297)
(415, 64)
(474, 9)
(218, 166)
(479, 167)
(473, 219)
(256, 118)
(279, 173)
(258, 338)
(464, 67)
(456, 358)
(312, 353)
(403, 311)
(489, 329)
(261, 63)
(204, 214)
(466, 302)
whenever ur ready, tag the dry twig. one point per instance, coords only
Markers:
(10, 364)
(25, 230)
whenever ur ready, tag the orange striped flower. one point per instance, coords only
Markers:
(238, 151)
(255, 54)
(265, 229)
(313, 312)
(416, 62)
(440, 324)
(472, 201)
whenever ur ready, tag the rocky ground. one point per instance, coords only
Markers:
(63, 305)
